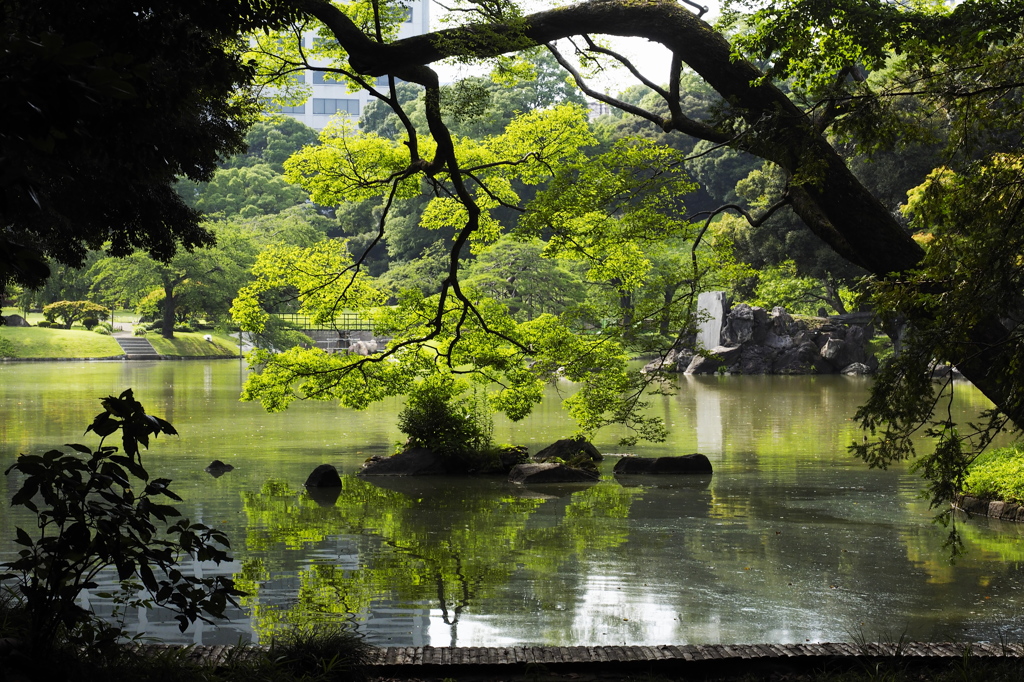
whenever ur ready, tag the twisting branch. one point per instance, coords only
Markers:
(594, 47)
(680, 122)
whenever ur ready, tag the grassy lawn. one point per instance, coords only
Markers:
(193, 344)
(33, 342)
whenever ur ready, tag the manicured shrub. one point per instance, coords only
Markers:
(998, 475)
(45, 324)
(101, 330)
(140, 330)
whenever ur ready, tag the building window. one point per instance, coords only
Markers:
(349, 107)
(382, 81)
(274, 107)
(298, 76)
(318, 79)
(408, 15)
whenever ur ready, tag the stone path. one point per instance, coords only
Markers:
(420, 661)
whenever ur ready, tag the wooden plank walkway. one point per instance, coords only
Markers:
(463, 659)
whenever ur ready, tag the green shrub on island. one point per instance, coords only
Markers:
(437, 417)
(998, 475)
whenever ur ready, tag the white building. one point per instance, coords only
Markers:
(330, 98)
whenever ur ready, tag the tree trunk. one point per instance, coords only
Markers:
(167, 312)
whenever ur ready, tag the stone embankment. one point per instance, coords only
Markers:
(996, 509)
(754, 341)
(643, 661)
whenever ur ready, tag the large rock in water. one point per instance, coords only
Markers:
(411, 462)
(324, 476)
(686, 464)
(721, 356)
(567, 449)
(549, 472)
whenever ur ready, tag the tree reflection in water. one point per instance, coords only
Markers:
(415, 541)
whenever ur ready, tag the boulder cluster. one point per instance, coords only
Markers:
(754, 341)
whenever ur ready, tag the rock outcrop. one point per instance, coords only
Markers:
(568, 449)
(549, 472)
(686, 464)
(411, 462)
(754, 341)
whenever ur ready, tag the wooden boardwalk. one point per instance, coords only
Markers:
(464, 660)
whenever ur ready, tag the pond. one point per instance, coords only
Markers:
(790, 540)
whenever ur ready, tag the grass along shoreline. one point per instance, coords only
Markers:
(36, 343)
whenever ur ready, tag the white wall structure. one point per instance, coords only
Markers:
(331, 98)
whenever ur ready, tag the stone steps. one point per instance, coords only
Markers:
(137, 348)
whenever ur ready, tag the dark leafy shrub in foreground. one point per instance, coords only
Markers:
(97, 510)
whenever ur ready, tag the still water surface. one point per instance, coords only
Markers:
(790, 540)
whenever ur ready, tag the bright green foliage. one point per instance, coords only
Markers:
(428, 338)
(247, 192)
(998, 475)
(91, 517)
(200, 283)
(781, 285)
(69, 312)
(517, 274)
(350, 165)
(321, 271)
(604, 211)
(973, 239)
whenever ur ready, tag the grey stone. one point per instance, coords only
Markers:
(363, 347)
(804, 359)
(675, 360)
(568, 448)
(720, 356)
(411, 462)
(324, 476)
(686, 464)
(832, 350)
(773, 340)
(857, 369)
(549, 472)
(745, 324)
(16, 321)
(756, 359)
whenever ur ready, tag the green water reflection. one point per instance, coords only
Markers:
(790, 540)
